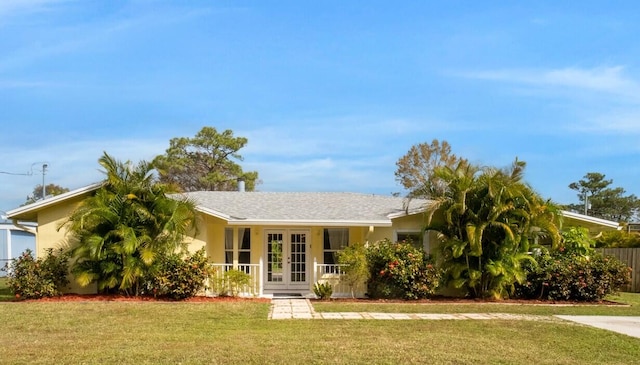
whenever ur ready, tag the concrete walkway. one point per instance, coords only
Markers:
(625, 325)
(300, 308)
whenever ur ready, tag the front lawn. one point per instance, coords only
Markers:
(631, 299)
(5, 292)
(239, 333)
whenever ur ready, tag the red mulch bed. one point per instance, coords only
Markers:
(203, 299)
(123, 298)
(450, 300)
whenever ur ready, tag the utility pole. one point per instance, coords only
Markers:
(44, 188)
(586, 203)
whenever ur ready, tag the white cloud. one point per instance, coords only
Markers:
(602, 99)
(325, 174)
(600, 79)
(615, 121)
(71, 165)
(9, 7)
(338, 136)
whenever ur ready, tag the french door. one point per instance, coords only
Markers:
(286, 259)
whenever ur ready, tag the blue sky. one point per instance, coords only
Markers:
(329, 93)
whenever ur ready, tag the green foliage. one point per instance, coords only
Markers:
(179, 277)
(237, 280)
(577, 240)
(50, 189)
(399, 270)
(571, 276)
(37, 278)
(491, 220)
(618, 239)
(416, 170)
(231, 282)
(205, 162)
(117, 235)
(603, 201)
(355, 265)
(323, 290)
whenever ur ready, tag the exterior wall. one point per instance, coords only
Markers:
(409, 223)
(49, 220)
(48, 236)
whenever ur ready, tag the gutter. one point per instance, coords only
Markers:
(23, 227)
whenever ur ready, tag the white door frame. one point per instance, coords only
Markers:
(295, 272)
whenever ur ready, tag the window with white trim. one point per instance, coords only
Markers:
(244, 245)
(415, 238)
(335, 240)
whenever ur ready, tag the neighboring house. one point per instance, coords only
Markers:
(14, 240)
(633, 227)
(593, 224)
(285, 241)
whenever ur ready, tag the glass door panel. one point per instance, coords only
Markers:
(275, 256)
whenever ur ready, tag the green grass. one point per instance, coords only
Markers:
(239, 333)
(631, 299)
(5, 292)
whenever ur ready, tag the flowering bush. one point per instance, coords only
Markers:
(562, 276)
(31, 278)
(399, 270)
(178, 277)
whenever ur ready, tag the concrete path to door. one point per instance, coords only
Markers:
(301, 308)
(625, 325)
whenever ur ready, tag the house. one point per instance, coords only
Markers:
(14, 240)
(286, 241)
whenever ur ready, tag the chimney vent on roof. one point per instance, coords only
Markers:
(241, 185)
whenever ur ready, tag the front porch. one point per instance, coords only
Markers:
(221, 282)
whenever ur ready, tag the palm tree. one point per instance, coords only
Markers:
(490, 219)
(118, 234)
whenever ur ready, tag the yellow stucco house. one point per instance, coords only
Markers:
(286, 241)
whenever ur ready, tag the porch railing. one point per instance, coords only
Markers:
(219, 283)
(332, 273)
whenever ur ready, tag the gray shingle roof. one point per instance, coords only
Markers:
(285, 207)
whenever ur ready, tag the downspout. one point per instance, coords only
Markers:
(23, 227)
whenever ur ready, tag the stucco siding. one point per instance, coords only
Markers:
(51, 233)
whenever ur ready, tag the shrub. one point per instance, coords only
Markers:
(355, 266)
(577, 240)
(31, 278)
(570, 276)
(323, 290)
(229, 283)
(399, 270)
(179, 278)
(237, 280)
(618, 239)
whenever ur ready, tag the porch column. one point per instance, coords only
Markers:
(260, 279)
(9, 257)
(235, 247)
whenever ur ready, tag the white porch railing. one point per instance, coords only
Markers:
(332, 273)
(219, 283)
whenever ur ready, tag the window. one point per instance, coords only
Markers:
(244, 245)
(335, 239)
(416, 238)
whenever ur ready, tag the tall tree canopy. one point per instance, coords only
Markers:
(602, 201)
(416, 170)
(205, 162)
(488, 221)
(118, 234)
(51, 189)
